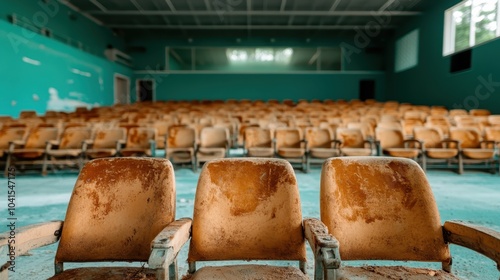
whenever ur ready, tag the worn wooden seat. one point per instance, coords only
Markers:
(141, 141)
(258, 142)
(249, 209)
(121, 209)
(290, 145)
(382, 208)
(32, 151)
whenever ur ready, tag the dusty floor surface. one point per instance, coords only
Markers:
(474, 197)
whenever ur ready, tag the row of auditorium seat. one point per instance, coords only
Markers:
(305, 133)
(371, 208)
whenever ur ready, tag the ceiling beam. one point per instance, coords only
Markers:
(255, 27)
(170, 5)
(98, 5)
(255, 13)
(85, 14)
(335, 5)
(207, 5)
(191, 8)
(283, 5)
(386, 5)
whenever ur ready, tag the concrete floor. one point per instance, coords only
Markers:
(473, 196)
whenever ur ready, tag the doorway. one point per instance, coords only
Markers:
(145, 90)
(122, 89)
(366, 89)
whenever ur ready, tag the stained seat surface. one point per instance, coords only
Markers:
(108, 273)
(392, 272)
(403, 152)
(247, 272)
(441, 153)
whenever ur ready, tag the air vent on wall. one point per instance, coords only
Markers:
(118, 56)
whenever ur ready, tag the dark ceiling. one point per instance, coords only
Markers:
(249, 18)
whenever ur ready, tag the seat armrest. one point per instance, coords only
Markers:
(371, 145)
(86, 144)
(325, 248)
(304, 144)
(167, 244)
(152, 147)
(446, 144)
(477, 238)
(15, 143)
(419, 144)
(487, 144)
(50, 144)
(120, 144)
(27, 238)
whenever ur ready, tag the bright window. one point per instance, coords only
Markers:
(407, 51)
(470, 23)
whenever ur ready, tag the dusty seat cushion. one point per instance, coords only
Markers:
(291, 152)
(260, 152)
(108, 273)
(210, 153)
(65, 153)
(356, 151)
(479, 153)
(324, 153)
(99, 153)
(28, 153)
(247, 272)
(127, 152)
(442, 153)
(402, 152)
(392, 272)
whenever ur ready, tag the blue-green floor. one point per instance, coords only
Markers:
(473, 196)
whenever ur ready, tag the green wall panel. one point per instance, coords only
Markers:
(38, 73)
(262, 86)
(431, 83)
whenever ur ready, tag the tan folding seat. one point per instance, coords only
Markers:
(214, 144)
(231, 128)
(161, 127)
(28, 114)
(290, 145)
(249, 209)
(472, 149)
(366, 128)
(121, 209)
(258, 142)
(181, 145)
(392, 142)
(494, 120)
(321, 145)
(141, 141)
(106, 143)
(457, 112)
(241, 133)
(435, 147)
(390, 125)
(353, 143)
(8, 135)
(69, 149)
(381, 208)
(440, 122)
(33, 150)
(479, 112)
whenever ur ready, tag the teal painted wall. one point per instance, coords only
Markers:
(180, 86)
(63, 22)
(261, 86)
(39, 73)
(430, 83)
